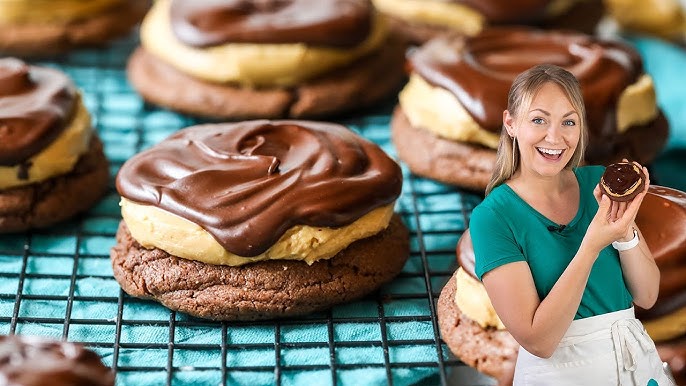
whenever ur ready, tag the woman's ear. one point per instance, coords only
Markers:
(508, 120)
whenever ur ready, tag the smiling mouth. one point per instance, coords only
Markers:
(550, 154)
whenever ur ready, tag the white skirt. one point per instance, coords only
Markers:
(609, 349)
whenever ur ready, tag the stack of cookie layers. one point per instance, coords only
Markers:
(259, 219)
(457, 92)
(239, 60)
(52, 164)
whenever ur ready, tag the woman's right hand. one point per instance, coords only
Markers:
(610, 223)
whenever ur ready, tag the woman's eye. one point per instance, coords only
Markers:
(569, 122)
(537, 121)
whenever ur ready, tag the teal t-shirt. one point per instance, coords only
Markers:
(505, 229)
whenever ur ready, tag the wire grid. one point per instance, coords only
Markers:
(58, 282)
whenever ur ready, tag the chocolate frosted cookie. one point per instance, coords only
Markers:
(48, 27)
(458, 91)
(622, 181)
(36, 361)
(52, 164)
(489, 350)
(259, 219)
(277, 59)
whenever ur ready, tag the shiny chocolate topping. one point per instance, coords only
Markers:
(662, 220)
(29, 361)
(333, 23)
(246, 183)
(479, 70)
(35, 105)
(512, 11)
(620, 177)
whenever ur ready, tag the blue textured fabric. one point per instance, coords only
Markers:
(386, 334)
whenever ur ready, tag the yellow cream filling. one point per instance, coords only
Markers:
(472, 299)
(57, 158)
(153, 227)
(667, 327)
(249, 64)
(637, 105)
(438, 110)
(459, 17)
(50, 11)
(666, 18)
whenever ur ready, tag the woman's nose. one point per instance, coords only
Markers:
(553, 135)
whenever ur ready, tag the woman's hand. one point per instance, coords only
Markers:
(614, 220)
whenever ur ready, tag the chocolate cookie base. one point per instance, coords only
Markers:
(470, 166)
(41, 40)
(361, 84)
(430, 156)
(261, 290)
(490, 351)
(48, 202)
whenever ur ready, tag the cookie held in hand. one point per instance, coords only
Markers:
(622, 181)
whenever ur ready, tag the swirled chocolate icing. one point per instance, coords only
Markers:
(35, 105)
(334, 23)
(479, 70)
(29, 361)
(662, 220)
(246, 183)
(620, 177)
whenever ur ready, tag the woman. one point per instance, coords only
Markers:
(542, 239)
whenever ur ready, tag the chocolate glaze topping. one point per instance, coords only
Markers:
(246, 183)
(662, 220)
(334, 23)
(29, 361)
(620, 177)
(479, 71)
(515, 11)
(35, 105)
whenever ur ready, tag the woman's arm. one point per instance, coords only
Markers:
(540, 325)
(640, 272)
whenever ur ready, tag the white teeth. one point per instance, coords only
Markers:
(549, 151)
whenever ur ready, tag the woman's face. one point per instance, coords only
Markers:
(547, 133)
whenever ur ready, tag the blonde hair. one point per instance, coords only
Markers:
(522, 92)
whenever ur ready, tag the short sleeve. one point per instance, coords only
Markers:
(589, 176)
(493, 240)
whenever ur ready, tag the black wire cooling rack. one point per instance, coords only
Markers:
(58, 282)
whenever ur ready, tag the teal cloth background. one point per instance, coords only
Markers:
(58, 282)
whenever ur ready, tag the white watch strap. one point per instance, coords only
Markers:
(626, 245)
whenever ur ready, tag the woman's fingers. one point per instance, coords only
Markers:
(597, 193)
(614, 211)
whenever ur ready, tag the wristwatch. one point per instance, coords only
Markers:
(626, 245)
